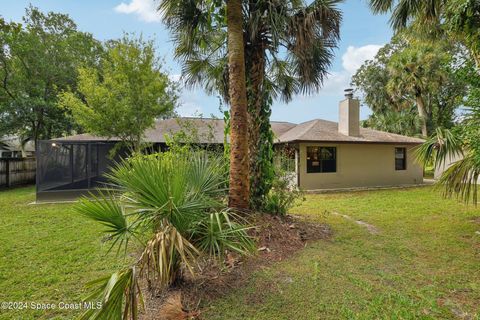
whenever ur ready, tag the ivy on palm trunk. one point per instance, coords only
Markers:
(262, 171)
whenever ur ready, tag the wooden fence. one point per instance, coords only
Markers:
(17, 171)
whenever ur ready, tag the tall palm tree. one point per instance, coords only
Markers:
(411, 75)
(288, 48)
(308, 33)
(239, 191)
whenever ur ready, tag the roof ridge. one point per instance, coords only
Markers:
(220, 119)
(305, 130)
(390, 133)
(190, 118)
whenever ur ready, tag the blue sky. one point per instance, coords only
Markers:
(362, 34)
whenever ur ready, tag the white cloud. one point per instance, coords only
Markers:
(146, 10)
(190, 102)
(352, 59)
(323, 105)
(336, 81)
(189, 109)
(355, 57)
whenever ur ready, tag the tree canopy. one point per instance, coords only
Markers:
(459, 19)
(124, 96)
(412, 86)
(38, 60)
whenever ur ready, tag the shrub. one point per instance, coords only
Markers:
(282, 197)
(176, 202)
(284, 193)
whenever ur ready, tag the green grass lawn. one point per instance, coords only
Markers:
(424, 263)
(47, 254)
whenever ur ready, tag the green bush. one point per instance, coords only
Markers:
(171, 205)
(282, 197)
(284, 194)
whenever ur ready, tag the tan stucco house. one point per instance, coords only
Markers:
(327, 155)
(330, 155)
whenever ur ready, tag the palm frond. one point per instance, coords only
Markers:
(207, 174)
(406, 11)
(461, 179)
(311, 35)
(163, 255)
(107, 210)
(381, 6)
(281, 78)
(119, 294)
(441, 147)
(219, 232)
(169, 195)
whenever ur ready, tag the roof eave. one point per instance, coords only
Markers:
(351, 142)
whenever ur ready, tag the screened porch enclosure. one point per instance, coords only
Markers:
(66, 170)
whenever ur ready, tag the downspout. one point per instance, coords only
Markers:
(297, 164)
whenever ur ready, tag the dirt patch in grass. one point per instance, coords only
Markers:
(277, 238)
(370, 228)
(475, 220)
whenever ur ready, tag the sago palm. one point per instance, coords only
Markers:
(170, 206)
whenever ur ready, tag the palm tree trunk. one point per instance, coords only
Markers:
(255, 94)
(476, 58)
(239, 191)
(422, 112)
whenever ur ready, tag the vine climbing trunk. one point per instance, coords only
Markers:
(256, 67)
(260, 135)
(239, 192)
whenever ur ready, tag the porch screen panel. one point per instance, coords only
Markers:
(54, 169)
(79, 165)
(63, 166)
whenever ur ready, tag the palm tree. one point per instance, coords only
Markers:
(308, 33)
(239, 192)
(170, 206)
(405, 11)
(411, 75)
(288, 48)
(461, 17)
(403, 121)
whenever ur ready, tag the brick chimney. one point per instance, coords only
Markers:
(349, 115)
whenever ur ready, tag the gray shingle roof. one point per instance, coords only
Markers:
(211, 131)
(327, 131)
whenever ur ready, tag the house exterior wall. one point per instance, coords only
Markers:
(451, 159)
(360, 165)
